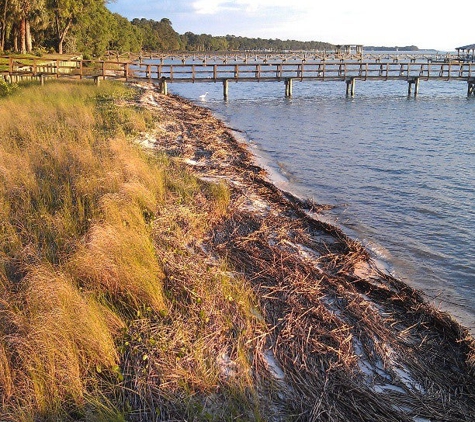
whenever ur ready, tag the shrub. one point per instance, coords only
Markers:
(7, 88)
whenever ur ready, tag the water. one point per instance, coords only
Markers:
(400, 170)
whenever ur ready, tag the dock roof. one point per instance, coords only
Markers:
(467, 47)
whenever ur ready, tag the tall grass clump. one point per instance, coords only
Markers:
(75, 210)
(69, 338)
(105, 306)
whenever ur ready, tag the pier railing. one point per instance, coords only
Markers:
(348, 71)
(15, 69)
(279, 56)
(323, 71)
(288, 71)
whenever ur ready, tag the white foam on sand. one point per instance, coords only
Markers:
(146, 140)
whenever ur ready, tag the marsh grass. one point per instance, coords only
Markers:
(106, 310)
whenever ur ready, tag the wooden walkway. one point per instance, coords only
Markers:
(267, 57)
(287, 71)
(347, 71)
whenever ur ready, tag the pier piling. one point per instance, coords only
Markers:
(163, 87)
(415, 82)
(471, 88)
(350, 87)
(225, 89)
(288, 87)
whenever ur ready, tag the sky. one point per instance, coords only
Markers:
(423, 23)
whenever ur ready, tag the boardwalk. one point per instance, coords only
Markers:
(265, 57)
(261, 69)
(291, 70)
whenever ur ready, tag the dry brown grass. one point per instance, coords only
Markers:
(69, 336)
(118, 260)
(106, 309)
(56, 162)
(196, 362)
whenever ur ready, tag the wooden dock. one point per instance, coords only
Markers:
(292, 69)
(267, 57)
(340, 70)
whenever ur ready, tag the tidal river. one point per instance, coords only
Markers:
(399, 170)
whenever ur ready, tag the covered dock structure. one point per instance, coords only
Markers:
(466, 53)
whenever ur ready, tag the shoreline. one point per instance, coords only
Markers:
(445, 296)
(360, 343)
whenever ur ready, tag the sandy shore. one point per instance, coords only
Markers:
(345, 341)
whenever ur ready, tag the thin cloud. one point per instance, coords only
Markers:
(213, 7)
(261, 7)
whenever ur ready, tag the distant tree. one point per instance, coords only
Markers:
(32, 11)
(126, 37)
(18, 25)
(66, 14)
(88, 26)
(93, 34)
(158, 36)
(16, 19)
(5, 5)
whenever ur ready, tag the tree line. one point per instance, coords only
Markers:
(89, 27)
(205, 42)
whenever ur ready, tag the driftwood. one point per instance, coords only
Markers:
(344, 341)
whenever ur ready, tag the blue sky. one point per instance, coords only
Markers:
(368, 22)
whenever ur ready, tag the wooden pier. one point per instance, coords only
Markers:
(347, 71)
(267, 57)
(411, 70)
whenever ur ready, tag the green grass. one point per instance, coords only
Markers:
(105, 307)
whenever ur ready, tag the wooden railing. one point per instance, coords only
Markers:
(268, 57)
(323, 71)
(245, 72)
(317, 70)
(11, 67)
